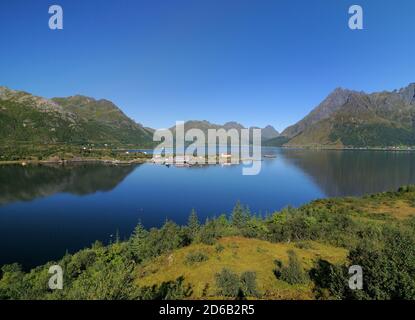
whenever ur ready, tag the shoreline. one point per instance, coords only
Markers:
(77, 161)
(151, 159)
(347, 148)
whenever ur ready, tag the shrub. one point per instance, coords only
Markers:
(293, 273)
(231, 285)
(80, 262)
(195, 257)
(209, 233)
(389, 272)
(148, 244)
(104, 281)
(170, 290)
(219, 248)
(11, 282)
(303, 245)
(248, 284)
(330, 280)
(228, 283)
(409, 188)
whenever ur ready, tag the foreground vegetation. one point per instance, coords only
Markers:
(299, 253)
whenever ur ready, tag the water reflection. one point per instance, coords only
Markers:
(347, 172)
(336, 173)
(27, 183)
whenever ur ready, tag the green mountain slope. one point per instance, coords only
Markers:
(276, 142)
(27, 119)
(356, 119)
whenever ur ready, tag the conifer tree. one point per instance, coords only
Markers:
(138, 242)
(193, 225)
(238, 215)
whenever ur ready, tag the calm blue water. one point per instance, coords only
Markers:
(48, 210)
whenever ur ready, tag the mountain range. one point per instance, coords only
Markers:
(349, 118)
(25, 118)
(346, 118)
(29, 119)
(267, 132)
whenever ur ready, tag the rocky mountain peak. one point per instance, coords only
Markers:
(233, 125)
(269, 132)
(22, 97)
(408, 93)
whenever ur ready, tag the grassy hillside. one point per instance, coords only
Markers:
(372, 135)
(30, 122)
(299, 253)
(240, 255)
(22, 123)
(108, 118)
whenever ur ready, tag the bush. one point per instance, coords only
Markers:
(330, 280)
(231, 285)
(195, 257)
(11, 282)
(248, 284)
(80, 262)
(388, 270)
(170, 290)
(409, 188)
(228, 283)
(104, 281)
(293, 273)
(209, 233)
(303, 245)
(149, 244)
(219, 248)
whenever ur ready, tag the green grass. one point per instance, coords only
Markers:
(239, 255)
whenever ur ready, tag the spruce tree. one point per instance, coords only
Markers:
(193, 225)
(238, 215)
(138, 242)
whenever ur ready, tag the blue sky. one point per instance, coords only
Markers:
(257, 62)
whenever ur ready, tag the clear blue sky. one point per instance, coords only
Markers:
(257, 62)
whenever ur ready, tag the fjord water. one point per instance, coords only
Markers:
(46, 211)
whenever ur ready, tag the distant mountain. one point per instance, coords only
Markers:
(109, 117)
(356, 119)
(267, 133)
(77, 120)
(323, 111)
(233, 125)
(27, 118)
